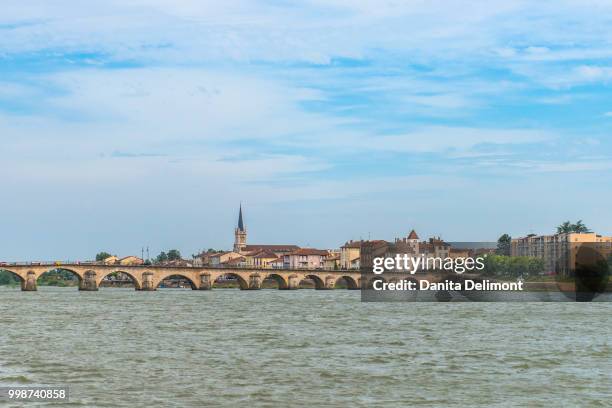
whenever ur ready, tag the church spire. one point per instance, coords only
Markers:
(240, 234)
(240, 222)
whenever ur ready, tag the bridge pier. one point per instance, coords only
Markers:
(205, 282)
(29, 284)
(293, 283)
(254, 282)
(88, 283)
(147, 282)
(329, 283)
(88, 286)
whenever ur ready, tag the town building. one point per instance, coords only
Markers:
(461, 253)
(178, 262)
(220, 258)
(278, 263)
(131, 260)
(305, 258)
(559, 250)
(278, 250)
(241, 246)
(263, 258)
(410, 245)
(237, 262)
(111, 260)
(203, 258)
(349, 254)
(435, 247)
(332, 261)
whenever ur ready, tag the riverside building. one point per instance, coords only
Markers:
(559, 250)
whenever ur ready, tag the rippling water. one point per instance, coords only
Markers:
(182, 348)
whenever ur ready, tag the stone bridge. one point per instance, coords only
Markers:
(149, 277)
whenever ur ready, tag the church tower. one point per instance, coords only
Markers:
(240, 234)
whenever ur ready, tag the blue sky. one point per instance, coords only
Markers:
(132, 123)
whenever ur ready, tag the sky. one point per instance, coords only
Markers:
(132, 123)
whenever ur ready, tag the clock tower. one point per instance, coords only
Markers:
(240, 234)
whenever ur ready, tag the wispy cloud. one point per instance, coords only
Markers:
(340, 104)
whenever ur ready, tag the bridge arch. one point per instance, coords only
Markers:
(57, 271)
(350, 282)
(280, 280)
(244, 284)
(318, 281)
(20, 279)
(193, 284)
(135, 280)
(74, 271)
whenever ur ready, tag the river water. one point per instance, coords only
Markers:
(271, 348)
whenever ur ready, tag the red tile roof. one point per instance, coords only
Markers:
(310, 251)
(265, 254)
(352, 244)
(357, 244)
(273, 248)
(234, 261)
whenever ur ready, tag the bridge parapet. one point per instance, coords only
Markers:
(149, 277)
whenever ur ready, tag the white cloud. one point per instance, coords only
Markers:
(564, 167)
(315, 31)
(438, 139)
(122, 109)
(592, 73)
(224, 102)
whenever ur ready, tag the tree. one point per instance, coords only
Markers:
(174, 255)
(564, 228)
(504, 245)
(7, 278)
(102, 256)
(512, 267)
(161, 258)
(568, 227)
(580, 227)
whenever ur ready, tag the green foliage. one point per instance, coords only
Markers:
(171, 255)
(100, 256)
(580, 227)
(504, 245)
(161, 258)
(7, 278)
(567, 227)
(174, 255)
(512, 266)
(58, 277)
